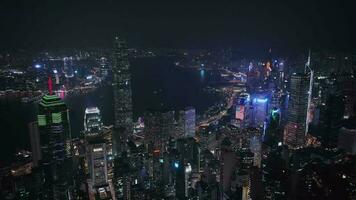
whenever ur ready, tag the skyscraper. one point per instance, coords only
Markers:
(159, 126)
(35, 142)
(97, 161)
(54, 130)
(259, 112)
(295, 130)
(123, 126)
(188, 120)
(92, 121)
(347, 140)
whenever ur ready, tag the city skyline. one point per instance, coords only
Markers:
(209, 101)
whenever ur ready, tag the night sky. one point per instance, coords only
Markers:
(254, 25)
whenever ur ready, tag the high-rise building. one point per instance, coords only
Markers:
(259, 111)
(182, 183)
(98, 154)
(159, 126)
(122, 177)
(188, 120)
(255, 148)
(54, 130)
(295, 130)
(92, 121)
(189, 152)
(347, 140)
(97, 161)
(123, 125)
(274, 101)
(242, 112)
(35, 142)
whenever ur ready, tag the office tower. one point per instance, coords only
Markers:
(97, 162)
(347, 140)
(159, 126)
(54, 130)
(273, 137)
(123, 126)
(274, 101)
(183, 183)
(92, 121)
(189, 152)
(242, 108)
(35, 142)
(68, 67)
(122, 177)
(103, 66)
(188, 120)
(259, 112)
(330, 117)
(255, 148)
(295, 130)
(228, 165)
(186, 164)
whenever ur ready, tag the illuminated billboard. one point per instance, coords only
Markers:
(240, 112)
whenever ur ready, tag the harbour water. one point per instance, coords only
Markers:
(156, 83)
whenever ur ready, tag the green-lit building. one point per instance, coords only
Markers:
(56, 161)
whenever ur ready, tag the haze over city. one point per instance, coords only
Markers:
(177, 100)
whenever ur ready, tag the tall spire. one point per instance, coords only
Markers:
(307, 64)
(310, 91)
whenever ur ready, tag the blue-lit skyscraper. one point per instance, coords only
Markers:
(123, 125)
(259, 111)
(188, 116)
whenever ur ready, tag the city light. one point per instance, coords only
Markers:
(259, 100)
(188, 168)
(97, 149)
(275, 111)
(202, 72)
(196, 112)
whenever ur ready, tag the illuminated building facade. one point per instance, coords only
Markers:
(98, 163)
(240, 112)
(53, 126)
(295, 130)
(159, 126)
(183, 183)
(242, 108)
(255, 148)
(92, 121)
(123, 125)
(188, 116)
(259, 104)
